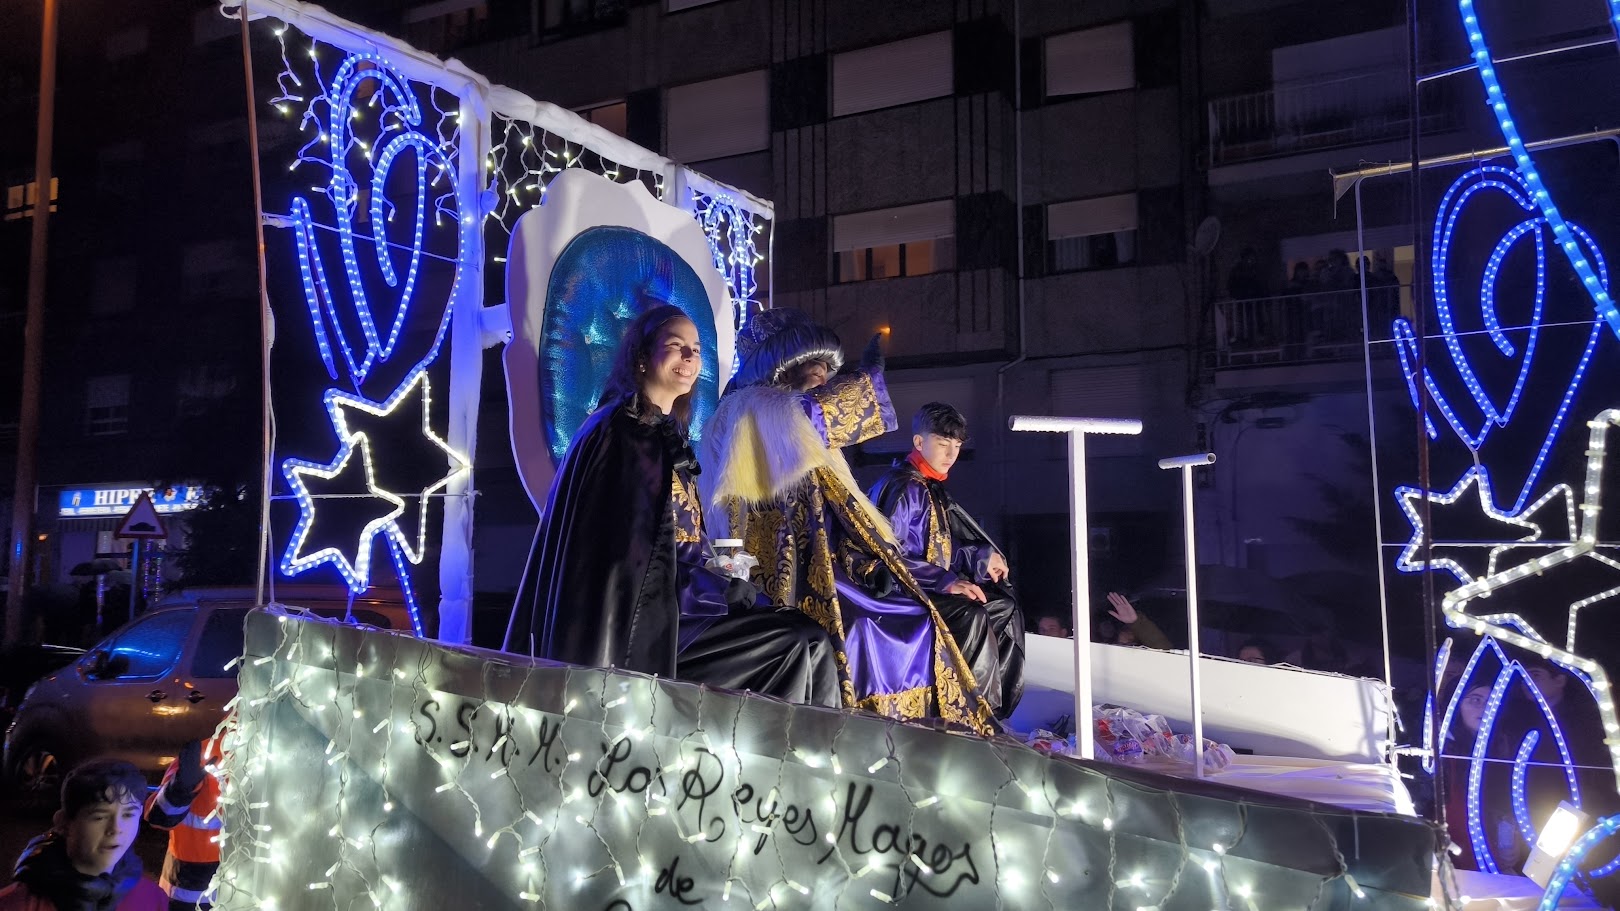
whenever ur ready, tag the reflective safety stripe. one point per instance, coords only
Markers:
(193, 821)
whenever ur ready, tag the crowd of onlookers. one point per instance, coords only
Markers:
(1122, 623)
(1317, 302)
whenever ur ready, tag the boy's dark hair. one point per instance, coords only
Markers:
(101, 781)
(1267, 650)
(940, 419)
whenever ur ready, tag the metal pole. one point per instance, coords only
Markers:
(1080, 577)
(1079, 539)
(22, 492)
(134, 576)
(1187, 464)
(266, 421)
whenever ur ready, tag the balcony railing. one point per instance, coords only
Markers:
(1317, 327)
(1317, 116)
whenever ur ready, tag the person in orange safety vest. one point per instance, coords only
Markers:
(187, 804)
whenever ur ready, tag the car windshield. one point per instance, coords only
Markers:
(151, 644)
(221, 641)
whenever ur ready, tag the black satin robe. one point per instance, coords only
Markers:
(617, 577)
(600, 588)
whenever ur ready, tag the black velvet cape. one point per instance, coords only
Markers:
(600, 585)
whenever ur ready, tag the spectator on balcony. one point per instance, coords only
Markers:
(1301, 281)
(1300, 286)
(1247, 280)
(1383, 296)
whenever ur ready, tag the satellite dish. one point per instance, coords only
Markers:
(1207, 236)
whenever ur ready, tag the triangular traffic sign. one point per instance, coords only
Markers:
(142, 521)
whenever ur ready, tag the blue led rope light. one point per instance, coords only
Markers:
(1565, 871)
(730, 229)
(399, 114)
(1518, 189)
(1479, 477)
(1476, 771)
(1476, 775)
(1477, 759)
(356, 572)
(1497, 100)
(1521, 803)
(343, 192)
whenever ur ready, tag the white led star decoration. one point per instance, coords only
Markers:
(358, 570)
(1513, 629)
(338, 400)
(1478, 477)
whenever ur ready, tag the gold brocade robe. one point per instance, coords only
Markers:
(780, 484)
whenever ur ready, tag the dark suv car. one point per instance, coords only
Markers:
(159, 681)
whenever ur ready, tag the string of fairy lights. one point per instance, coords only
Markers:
(582, 788)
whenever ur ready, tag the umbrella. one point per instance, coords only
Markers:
(97, 567)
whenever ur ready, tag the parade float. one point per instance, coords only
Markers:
(416, 217)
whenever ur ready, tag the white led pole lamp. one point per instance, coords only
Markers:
(1186, 464)
(1079, 538)
(1557, 836)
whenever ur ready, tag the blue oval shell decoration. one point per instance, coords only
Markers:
(603, 279)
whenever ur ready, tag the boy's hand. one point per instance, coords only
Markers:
(997, 567)
(1123, 610)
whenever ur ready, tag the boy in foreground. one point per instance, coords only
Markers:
(84, 863)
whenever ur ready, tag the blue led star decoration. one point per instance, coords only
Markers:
(354, 455)
(1478, 481)
(364, 130)
(418, 385)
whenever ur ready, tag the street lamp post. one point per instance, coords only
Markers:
(22, 495)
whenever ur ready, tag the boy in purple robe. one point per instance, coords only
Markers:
(931, 527)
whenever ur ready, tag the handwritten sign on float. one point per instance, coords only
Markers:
(373, 769)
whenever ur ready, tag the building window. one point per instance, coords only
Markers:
(208, 26)
(719, 118)
(889, 243)
(216, 269)
(212, 145)
(611, 117)
(113, 288)
(1091, 233)
(106, 402)
(1090, 61)
(118, 169)
(20, 199)
(901, 72)
(445, 26)
(126, 44)
(560, 17)
(1103, 392)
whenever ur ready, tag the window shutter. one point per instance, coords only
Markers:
(902, 225)
(1085, 217)
(107, 391)
(1098, 392)
(719, 118)
(915, 69)
(1089, 61)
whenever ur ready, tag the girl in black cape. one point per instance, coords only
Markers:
(617, 577)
